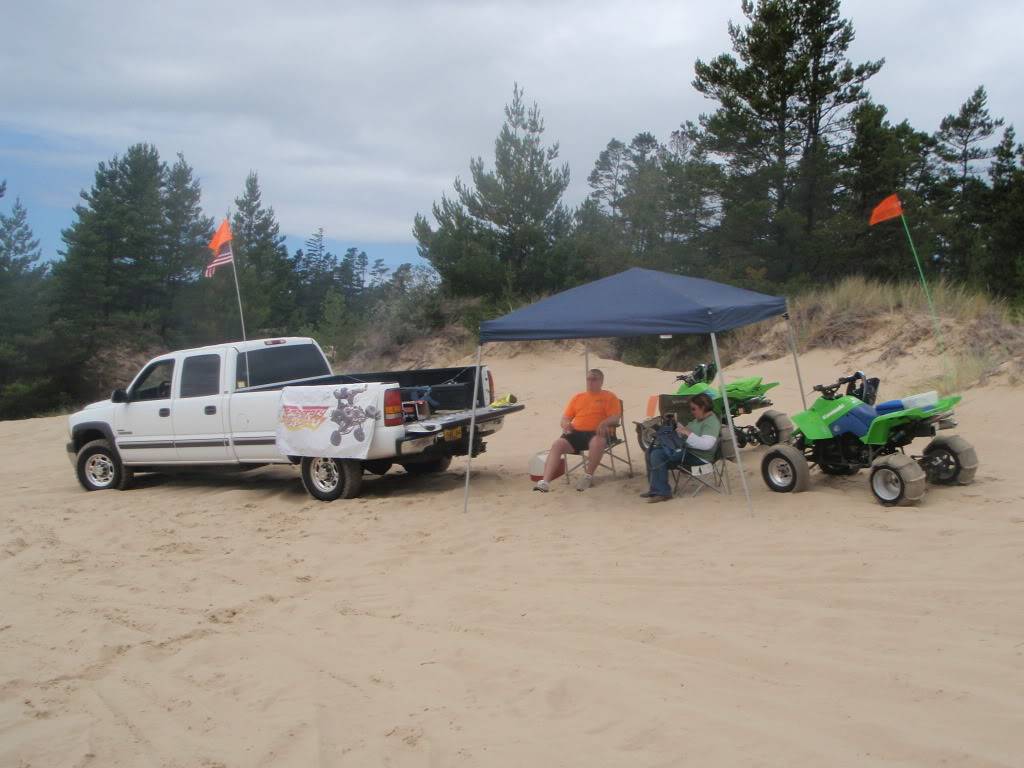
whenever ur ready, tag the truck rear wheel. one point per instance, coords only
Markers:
(98, 467)
(328, 479)
(897, 480)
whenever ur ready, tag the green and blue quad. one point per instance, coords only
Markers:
(844, 433)
(745, 395)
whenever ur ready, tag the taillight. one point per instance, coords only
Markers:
(490, 386)
(393, 408)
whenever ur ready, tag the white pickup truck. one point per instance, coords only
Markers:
(218, 406)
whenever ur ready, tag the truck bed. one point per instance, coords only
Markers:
(445, 389)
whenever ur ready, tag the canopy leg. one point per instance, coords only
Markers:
(732, 428)
(796, 360)
(586, 363)
(472, 427)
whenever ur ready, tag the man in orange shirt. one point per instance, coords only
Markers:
(586, 423)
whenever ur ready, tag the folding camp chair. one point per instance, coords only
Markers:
(711, 475)
(608, 458)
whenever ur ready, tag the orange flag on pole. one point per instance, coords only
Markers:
(890, 208)
(221, 247)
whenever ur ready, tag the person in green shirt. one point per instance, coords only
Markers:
(696, 445)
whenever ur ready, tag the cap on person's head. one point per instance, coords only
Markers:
(595, 373)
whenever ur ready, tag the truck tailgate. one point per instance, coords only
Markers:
(440, 422)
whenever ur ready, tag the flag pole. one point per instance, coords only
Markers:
(241, 315)
(924, 284)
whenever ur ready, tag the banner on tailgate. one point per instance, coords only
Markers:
(336, 421)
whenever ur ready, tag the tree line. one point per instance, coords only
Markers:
(129, 277)
(770, 189)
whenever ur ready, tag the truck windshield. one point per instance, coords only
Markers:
(287, 362)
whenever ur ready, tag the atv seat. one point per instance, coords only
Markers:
(924, 400)
(889, 406)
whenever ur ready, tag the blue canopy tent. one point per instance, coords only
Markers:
(639, 302)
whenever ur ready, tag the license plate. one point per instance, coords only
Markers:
(452, 433)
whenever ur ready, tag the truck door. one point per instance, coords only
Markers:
(145, 431)
(199, 410)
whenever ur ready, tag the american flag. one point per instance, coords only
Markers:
(221, 247)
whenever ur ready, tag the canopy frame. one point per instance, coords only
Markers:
(759, 306)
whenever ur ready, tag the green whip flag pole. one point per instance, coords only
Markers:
(891, 208)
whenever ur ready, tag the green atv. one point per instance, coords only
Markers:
(842, 434)
(745, 396)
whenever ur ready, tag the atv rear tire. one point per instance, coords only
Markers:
(897, 480)
(785, 470)
(328, 479)
(950, 461)
(774, 427)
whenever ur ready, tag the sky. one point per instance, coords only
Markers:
(359, 115)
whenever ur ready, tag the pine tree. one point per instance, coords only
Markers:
(265, 271)
(961, 146)
(783, 108)
(509, 217)
(19, 249)
(111, 269)
(186, 233)
(1004, 269)
(608, 177)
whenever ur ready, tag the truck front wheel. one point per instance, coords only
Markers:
(328, 479)
(98, 467)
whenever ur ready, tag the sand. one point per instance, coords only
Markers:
(234, 621)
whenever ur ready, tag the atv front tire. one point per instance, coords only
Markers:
(897, 480)
(785, 470)
(774, 427)
(950, 461)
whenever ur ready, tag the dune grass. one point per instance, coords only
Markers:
(857, 294)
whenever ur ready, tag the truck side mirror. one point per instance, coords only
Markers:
(119, 396)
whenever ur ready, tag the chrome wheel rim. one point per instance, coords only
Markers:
(886, 484)
(324, 474)
(780, 471)
(99, 468)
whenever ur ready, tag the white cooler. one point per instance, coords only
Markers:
(537, 466)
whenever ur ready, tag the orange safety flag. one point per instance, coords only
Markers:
(890, 208)
(221, 247)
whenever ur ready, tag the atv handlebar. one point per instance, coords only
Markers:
(829, 390)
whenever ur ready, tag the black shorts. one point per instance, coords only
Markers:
(580, 441)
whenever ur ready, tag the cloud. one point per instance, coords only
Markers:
(359, 115)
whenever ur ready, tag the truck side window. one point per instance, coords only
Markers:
(277, 364)
(200, 375)
(155, 382)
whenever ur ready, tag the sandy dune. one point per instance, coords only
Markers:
(233, 621)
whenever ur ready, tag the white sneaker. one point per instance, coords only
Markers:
(542, 486)
(584, 482)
